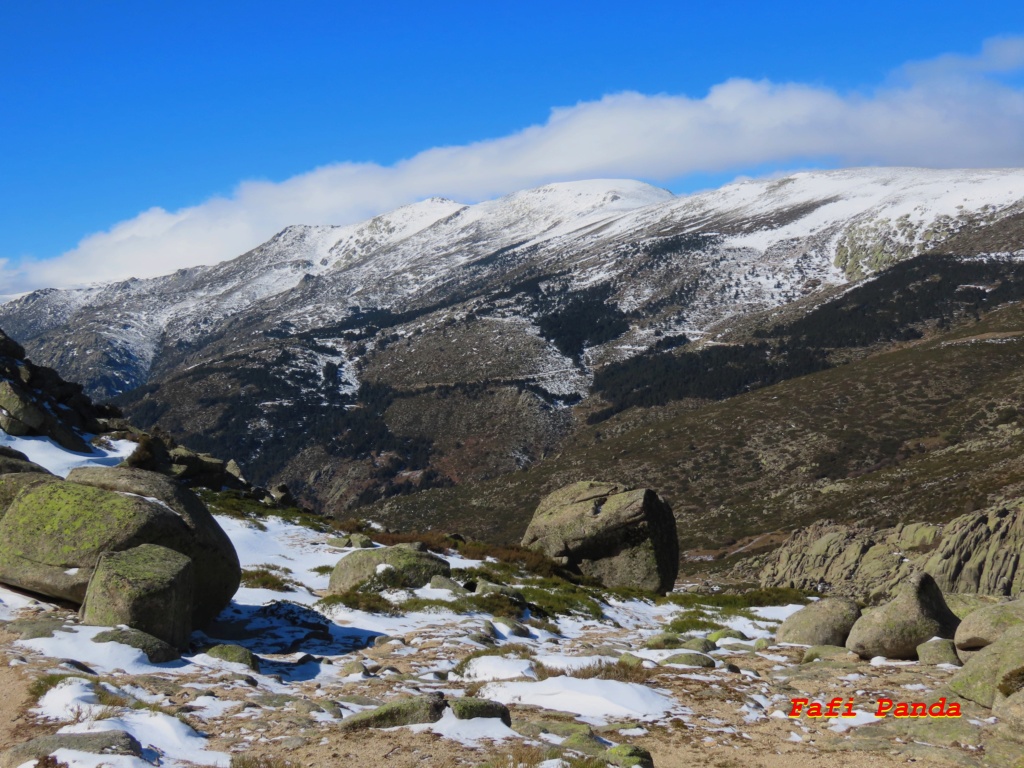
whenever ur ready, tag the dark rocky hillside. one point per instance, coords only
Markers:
(923, 424)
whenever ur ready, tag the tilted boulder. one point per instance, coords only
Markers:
(395, 566)
(54, 533)
(216, 563)
(986, 625)
(619, 536)
(895, 630)
(148, 588)
(826, 622)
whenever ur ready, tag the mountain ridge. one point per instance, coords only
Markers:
(434, 327)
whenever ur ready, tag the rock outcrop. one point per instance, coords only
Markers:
(36, 401)
(977, 553)
(895, 630)
(620, 536)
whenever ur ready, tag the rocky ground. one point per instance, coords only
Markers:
(575, 684)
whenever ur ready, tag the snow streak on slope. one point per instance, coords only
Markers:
(671, 265)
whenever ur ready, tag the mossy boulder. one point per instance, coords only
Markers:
(156, 650)
(995, 672)
(986, 625)
(54, 534)
(691, 660)
(938, 651)
(699, 644)
(212, 553)
(895, 630)
(13, 484)
(100, 743)
(419, 709)
(149, 588)
(351, 541)
(631, 660)
(235, 654)
(825, 622)
(511, 627)
(619, 536)
(727, 634)
(412, 569)
(443, 582)
(1011, 711)
(467, 708)
(629, 756)
(663, 640)
(13, 465)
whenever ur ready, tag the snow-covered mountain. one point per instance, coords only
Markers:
(471, 327)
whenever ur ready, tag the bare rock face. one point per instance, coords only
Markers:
(854, 562)
(976, 553)
(980, 552)
(620, 536)
(895, 630)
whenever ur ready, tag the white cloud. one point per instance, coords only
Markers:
(952, 111)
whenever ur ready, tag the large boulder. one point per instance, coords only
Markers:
(895, 630)
(12, 461)
(619, 536)
(149, 588)
(826, 622)
(411, 711)
(213, 555)
(395, 566)
(13, 484)
(986, 625)
(995, 672)
(54, 533)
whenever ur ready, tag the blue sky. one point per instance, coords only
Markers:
(139, 137)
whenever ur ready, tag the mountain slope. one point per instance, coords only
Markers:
(443, 343)
(922, 430)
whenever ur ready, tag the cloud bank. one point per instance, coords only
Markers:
(952, 111)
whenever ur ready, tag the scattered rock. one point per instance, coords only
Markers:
(156, 650)
(443, 582)
(938, 651)
(894, 630)
(30, 629)
(725, 634)
(826, 622)
(825, 652)
(420, 709)
(101, 743)
(699, 644)
(622, 537)
(236, 654)
(411, 568)
(466, 708)
(148, 588)
(512, 627)
(629, 756)
(691, 660)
